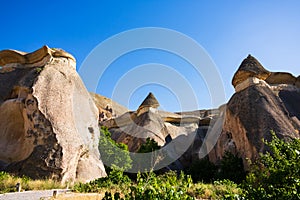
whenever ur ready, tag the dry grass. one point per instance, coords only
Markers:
(8, 183)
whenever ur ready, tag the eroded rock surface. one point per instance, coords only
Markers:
(181, 134)
(271, 103)
(250, 67)
(107, 108)
(48, 121)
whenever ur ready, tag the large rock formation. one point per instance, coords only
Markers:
(271, 102)
(48, 121)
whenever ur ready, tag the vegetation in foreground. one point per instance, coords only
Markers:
(275, 175)
(8, 183)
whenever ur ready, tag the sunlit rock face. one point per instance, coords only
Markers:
(48, 121)
(263, 101)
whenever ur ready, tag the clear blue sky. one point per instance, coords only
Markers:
(228, 30)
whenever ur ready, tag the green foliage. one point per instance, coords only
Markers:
(112, 153)
(167, 186)
(231, 168)
(147, 186)
(276, 175)
(202, 170)
(226, 189)
(115, 177)
(149, 146)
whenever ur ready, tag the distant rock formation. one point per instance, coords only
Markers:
(263, 101)
(186, 129)
(250, 68)
(48, 121)
(133, 128)
(107, 108)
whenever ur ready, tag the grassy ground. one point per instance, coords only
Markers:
(8, 183)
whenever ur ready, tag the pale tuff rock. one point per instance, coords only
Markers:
(49, 122)
(248, 82)
(36, 58)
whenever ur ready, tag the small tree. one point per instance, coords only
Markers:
(149, 146)
(276, 175)
(113, 154)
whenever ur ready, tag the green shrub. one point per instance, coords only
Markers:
(202, 170)
(231, 168)
(115, 177)
(149, 146)
(165, 187)
(226, 189)
(276, 174)
(113, 153)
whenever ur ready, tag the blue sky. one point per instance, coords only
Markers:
(227, 30)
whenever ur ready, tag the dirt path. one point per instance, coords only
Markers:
(31, 195)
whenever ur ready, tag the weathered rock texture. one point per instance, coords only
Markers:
(186, 129)
(48, 121)
(250, 67)
(271, 103)
(263, 101)
(107, 108)
(133, 128)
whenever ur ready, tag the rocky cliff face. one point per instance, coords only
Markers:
(48, 121)
(270, 102)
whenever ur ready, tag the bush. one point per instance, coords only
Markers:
(113, 153)
(276, 174)
(231, 168)
(202, 170)
(115, 177)
(149, 146)
(165, 187)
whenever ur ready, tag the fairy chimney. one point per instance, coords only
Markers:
(150, 102)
